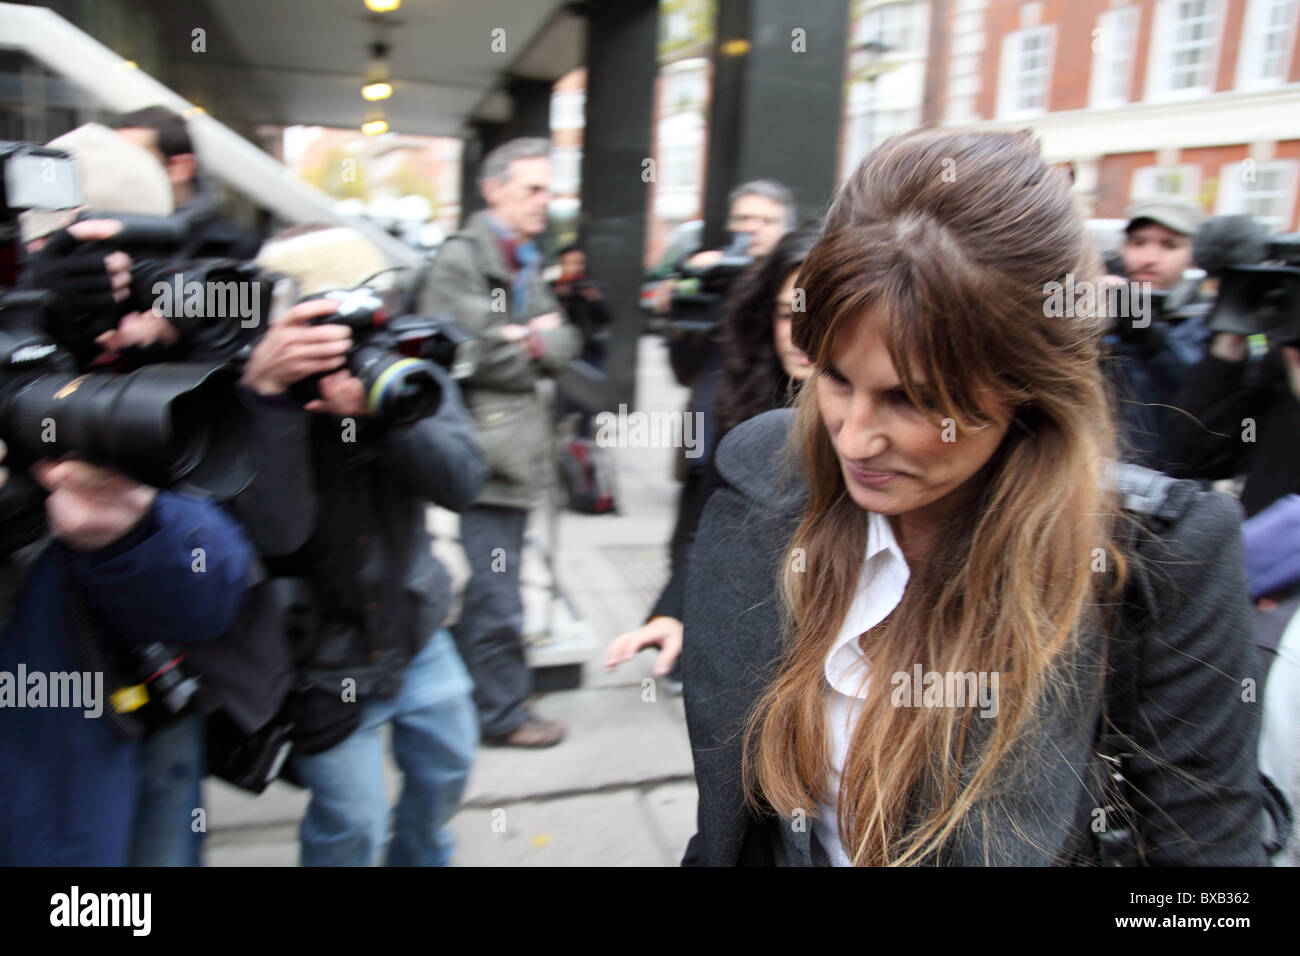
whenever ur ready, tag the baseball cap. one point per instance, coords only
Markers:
(1181, 217)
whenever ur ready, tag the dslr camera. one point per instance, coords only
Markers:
(393, 357)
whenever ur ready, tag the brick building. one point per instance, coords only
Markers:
(1192, 98)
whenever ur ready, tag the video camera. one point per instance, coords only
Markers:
(1262, 299)
(698, 296)
(392, 357)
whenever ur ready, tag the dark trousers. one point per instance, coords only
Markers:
(489, 632)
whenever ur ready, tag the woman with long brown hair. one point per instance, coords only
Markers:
(911, 608)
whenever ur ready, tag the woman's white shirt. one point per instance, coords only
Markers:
(880, 588)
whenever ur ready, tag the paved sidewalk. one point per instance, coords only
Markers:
(618, 791)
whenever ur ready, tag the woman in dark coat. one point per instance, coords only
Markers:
(924, 601)
(762, 369)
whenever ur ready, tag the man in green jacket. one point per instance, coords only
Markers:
(488, 278)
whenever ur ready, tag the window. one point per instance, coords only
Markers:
(1112, 63)
(568, 109)
(1184, 48)
(1266, 43)
(566, 170)
(897, 25)
(1025, 72)
(1171, 182)
(1265, 190)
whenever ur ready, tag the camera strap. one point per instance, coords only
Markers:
(96, 656)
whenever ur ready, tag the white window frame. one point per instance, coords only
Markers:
(905, 13)
(568, 109)
(1009, 79)
(1145, 176)
(1161, 55)
(1104, 60)
(566, 170)
(1233, 193)
(1251, 55)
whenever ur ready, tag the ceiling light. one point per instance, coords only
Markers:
(383, 6)
(377, 85)
(375, 126)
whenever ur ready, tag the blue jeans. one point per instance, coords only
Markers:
(172, 764)
(435, 733)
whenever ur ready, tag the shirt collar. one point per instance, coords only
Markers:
(881, 583)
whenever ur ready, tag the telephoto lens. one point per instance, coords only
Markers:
(163, 425)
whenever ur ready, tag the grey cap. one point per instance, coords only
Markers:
(1181, 217)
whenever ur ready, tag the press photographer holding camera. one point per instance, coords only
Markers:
(241, 444)
(116, 568)
(367, 599)
(1243, 403)
(1153, 344)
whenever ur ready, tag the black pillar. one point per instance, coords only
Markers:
(479, 140)
(777, 104)
(622, 40)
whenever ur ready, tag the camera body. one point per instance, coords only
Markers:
(217, 306)
(393, 358)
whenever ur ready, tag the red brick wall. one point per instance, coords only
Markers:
(1072, 63)
(1072, 59)
(1210, 160)
(1230, 44)
(1000, 18)
(1115, 179)
(1290, 149)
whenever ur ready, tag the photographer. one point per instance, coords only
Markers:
(1243, 410)
(165, 135)
(246, 672)
(117, 566)
(1225, 394)
(370, 648)
(1148, 356)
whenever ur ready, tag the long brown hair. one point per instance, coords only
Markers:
(948, 242)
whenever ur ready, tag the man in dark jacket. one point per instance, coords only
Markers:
(1149, 358)
(371, 649)
(165, 134)
(245, 672)
(117, 569)
(1243, 415)
(488, 278)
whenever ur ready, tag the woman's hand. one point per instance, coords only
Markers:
(662, 632)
